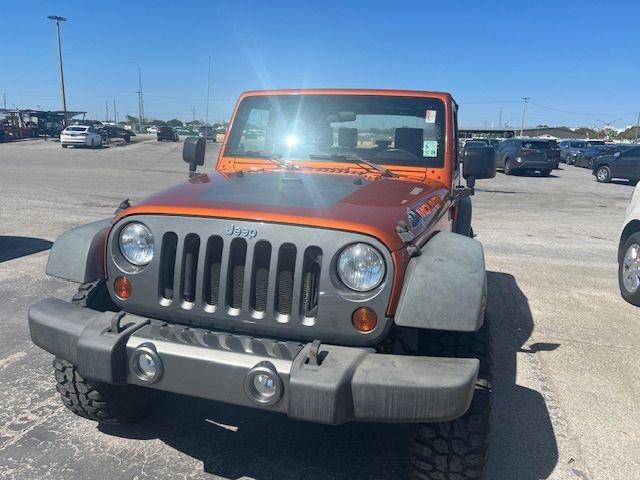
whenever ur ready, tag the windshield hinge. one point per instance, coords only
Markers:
(407, 236)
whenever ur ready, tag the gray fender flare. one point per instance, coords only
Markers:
(445, 287)
(77, 255)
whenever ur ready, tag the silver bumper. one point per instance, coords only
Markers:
(320, 383)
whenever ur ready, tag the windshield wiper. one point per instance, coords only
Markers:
(353, 158)
(267, 155)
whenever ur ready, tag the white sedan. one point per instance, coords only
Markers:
(80, 135)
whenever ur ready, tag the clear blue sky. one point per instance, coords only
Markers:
(578, 60)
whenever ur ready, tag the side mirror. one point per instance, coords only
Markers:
(477, 163)
(193, 153)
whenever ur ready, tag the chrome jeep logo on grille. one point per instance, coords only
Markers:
(236, 231)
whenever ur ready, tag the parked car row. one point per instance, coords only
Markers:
(207, 132)
(607, 161)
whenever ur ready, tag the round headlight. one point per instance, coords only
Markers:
(361, 267)
(136, 243)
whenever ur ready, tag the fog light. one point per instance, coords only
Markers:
(364, 319)
(122, 288)
(263, 385)
(145, 363)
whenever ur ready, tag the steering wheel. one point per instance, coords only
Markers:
(396, 151)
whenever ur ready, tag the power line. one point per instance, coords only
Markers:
(595, 114)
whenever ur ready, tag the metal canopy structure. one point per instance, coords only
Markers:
(487, 132)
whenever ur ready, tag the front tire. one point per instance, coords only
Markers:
(97, 401)
(64, 146)
(629, 270)
(456, 450)
(545, 173)
(603, 174)
(101, 402)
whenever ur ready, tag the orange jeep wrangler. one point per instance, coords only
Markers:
(326, 269)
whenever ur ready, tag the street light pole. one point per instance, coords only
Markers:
(637, 127)
(59, 19)
(524, 111)
(206, 122)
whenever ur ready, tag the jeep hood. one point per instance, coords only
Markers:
(373, 206)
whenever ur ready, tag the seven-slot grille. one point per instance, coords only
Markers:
(239, 276)
(261, 278)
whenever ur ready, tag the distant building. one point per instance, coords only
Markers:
(550, 132)
(482, 132)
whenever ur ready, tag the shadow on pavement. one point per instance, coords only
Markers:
(523, 443)
(16, 247)
(234, 442)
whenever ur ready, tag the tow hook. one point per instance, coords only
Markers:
(314, 353)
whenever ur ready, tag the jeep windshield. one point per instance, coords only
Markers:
(380, 129)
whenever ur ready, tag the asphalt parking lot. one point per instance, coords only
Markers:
(566, 377)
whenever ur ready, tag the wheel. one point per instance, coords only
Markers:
(603, 174)
(629, 270)
(457, 449)
(95, 296)
(100, 401)
(94, 400)
(508, 168)
(64, 146)
(545, 173)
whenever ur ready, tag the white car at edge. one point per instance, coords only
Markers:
(80, 135)
(629, 252)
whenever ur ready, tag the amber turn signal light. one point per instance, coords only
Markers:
(122, 287)
(364, 319)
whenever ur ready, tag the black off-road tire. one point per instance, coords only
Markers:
(456, 450)
(94, 295)
(94, 400)
(97, 401)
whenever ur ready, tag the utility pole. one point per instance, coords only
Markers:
(524, 112)
(139, 92)
(115, 112)
(106, 108)
(500, 119)
(634, 141)
(63, 98)
(4, 97)
(208, 88)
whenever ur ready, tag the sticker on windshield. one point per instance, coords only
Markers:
(430, 148)
(430, 116)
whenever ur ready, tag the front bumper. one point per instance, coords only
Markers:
(344, 384)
